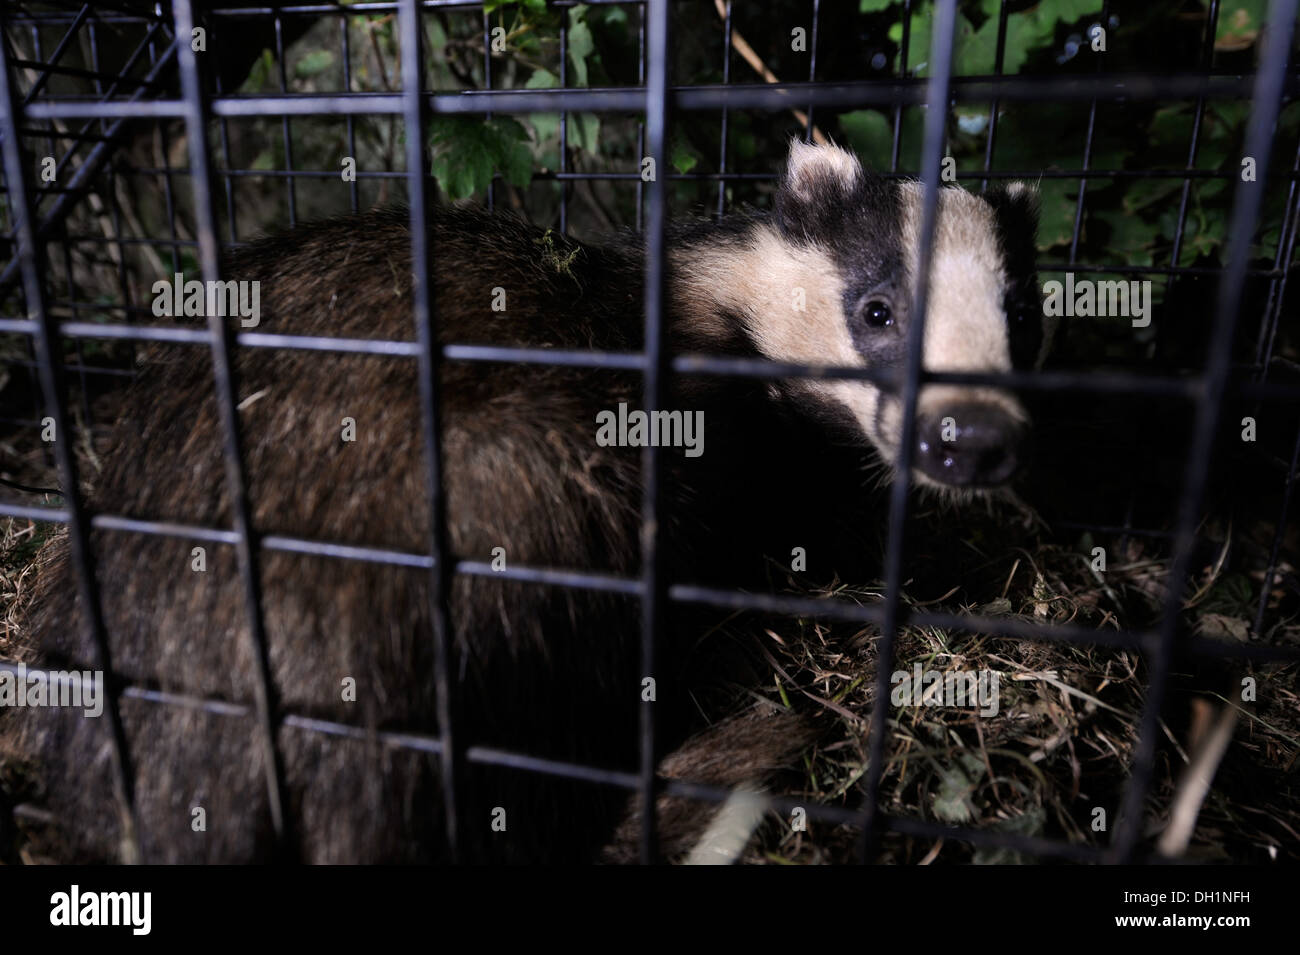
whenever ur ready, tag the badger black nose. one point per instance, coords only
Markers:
(968, 445)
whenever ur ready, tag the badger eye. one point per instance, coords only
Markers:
(878, 314)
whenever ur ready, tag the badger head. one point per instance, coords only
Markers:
(829, 281)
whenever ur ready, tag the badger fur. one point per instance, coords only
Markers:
(824, 278)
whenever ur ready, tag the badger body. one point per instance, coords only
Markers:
(825, 278)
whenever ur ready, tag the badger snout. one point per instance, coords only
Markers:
(968, 445)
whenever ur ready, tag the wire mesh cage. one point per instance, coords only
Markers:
(144, 140)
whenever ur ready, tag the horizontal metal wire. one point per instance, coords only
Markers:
(826, 608)
(769, 96)
(685, 364)
(1208, 175)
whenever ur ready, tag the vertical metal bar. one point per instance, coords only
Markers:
(1207, 55)
(812, 67)
(1248, 198)
(169, 196)
(726, 81)
(902, 72)
(50, 369)
(290, 181)
(936, 116)
(654, 593)
(220, 342)
(640, 126)
(227, 180)
(1279, 530)
(452, 759)
(38, 56)
(1087, 160)
(1205, 62)
(94, 65)
(167, 175)
(998, 65)
(1263, 357)
(111, 172)
(1281, 263)
(487, 85)
(564, 124)
(354, 186)
(73, 144)
(78, 344)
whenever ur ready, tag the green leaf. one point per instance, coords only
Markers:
(518, 165)
(870, 134)
(259, 74)
(584, 131)
(542, 80)
(1026, 31)
(317, 61)
(873, 6)
(581, 44)
(1035, 28)
(1143, 193)
(616, 16)
(1204, 232)
(532, 6)
(975, 51)
(918, 40)
(683, 158)
(1171, 124)
(546, 125)
(1071, 10)
(1057, 198)
(1239, 23)
(467, 151)
(1130, 238)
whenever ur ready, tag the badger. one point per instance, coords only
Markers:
(333, 452)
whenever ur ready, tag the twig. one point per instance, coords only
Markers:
(753, 59)
(1194, 785)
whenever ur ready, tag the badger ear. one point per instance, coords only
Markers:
(818, 185)
(1016, 205)
(813, 170)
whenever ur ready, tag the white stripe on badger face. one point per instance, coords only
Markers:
(966, 324)
(763, 281)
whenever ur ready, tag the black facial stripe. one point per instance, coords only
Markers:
(858, 223)
(1017, 219)
(878, 346)
(877, 416)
